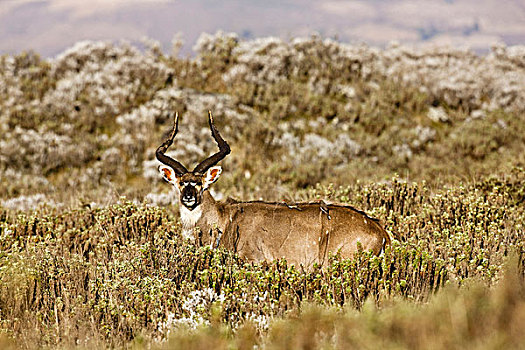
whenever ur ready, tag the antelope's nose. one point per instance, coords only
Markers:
(188, 197)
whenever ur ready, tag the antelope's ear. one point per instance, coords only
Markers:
(167, 174)
(212, 175)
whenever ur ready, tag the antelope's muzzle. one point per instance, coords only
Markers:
(189, 197)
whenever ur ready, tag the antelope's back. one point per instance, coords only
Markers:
(302, 233)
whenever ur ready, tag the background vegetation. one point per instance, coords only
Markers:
(430, 142)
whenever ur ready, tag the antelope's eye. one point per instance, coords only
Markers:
(181, 184)
(199, 183)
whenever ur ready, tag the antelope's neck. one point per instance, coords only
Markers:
(210, 209)
(205, 213)
(190, 218)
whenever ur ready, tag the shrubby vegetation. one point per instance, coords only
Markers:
(297, 113)
(90, 246)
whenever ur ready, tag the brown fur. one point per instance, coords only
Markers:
(302, 233)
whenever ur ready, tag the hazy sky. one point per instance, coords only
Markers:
(50, 26)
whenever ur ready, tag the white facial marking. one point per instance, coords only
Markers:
(190, 203)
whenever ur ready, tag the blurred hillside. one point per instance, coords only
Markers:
(84, 126)
(49, 26)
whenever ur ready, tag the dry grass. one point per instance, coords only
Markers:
(117, 274)
(82, 266)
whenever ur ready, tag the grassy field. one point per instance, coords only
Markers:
(430, 142)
